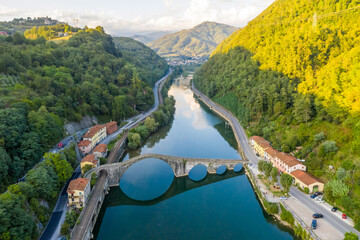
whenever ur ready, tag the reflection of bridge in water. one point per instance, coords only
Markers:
(110, 175)
(181, 165)
(179, 186)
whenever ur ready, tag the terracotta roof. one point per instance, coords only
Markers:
(100, 148)
(288, 159)
(109, 124)
(261, 141)
(92, 131)
(90, 158)
(272, 152)
(305, 177)
(78, 184)
(84, 143)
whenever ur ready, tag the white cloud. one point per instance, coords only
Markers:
(176, 16)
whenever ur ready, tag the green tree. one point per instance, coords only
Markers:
(44, 180)
(286, 181)
(87, 168)
(302, 109)
(4, 163)
(134, 140)
(62, 167)
(336, 189)
(274, 174)
(351, 236)
(151, 124)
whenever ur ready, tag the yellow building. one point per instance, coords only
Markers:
(90, 159)
(260, 145)
(95, 134)
(304, 179)
(78, 192)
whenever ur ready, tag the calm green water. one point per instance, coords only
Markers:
(218, 207)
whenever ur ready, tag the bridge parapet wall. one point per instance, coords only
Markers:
(180, 165)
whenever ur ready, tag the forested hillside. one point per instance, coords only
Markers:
(292, 76)
(198, 41)
(50, 32)
(44, 84)
(129, 47)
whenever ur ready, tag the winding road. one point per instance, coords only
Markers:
(330, 217)
(52, 230)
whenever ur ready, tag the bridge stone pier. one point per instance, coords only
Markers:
(180, 165)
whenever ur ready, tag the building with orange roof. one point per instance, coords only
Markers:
(111, 127)
(305, 179)
(270, 154)
(91, 160)
(260, 145)
(100, 151)
(84, 146)
(287, 163)
(95, 134)
(78, 192)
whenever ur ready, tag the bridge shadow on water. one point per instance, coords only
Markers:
(179, 185)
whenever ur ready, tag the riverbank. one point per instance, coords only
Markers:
(246, 151)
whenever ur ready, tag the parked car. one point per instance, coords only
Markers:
(343, 216)
(314, 224)
(60, 145)
(317, 215)
(283, 198)
(318, 193)
(319, 199)
(334, 209)
(313, 196)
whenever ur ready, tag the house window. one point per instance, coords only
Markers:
(80, 193)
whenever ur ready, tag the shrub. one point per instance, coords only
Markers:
(271, 208)
(287, 216)
(306, 190)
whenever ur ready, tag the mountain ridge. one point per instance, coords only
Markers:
(200, 40)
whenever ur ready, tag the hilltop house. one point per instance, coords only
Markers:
(78, 192)
(90, 159)
(100, 151)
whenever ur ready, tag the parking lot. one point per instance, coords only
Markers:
(324, 230)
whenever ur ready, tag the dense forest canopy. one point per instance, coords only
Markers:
(292, 76)
(50, 32)
(44, 84)
(317, 42)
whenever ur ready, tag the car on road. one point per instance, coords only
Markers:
(60, 145)
(313, 196)
(283, 198)
(343, 216)
(319, 199)
(318, 193)
(334, 209)
(317, 215)
(314, 224)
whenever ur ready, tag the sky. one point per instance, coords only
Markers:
(127, 17)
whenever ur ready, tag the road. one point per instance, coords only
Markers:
(87, 213)
(239, 131)
(331, 218)
(57, 218)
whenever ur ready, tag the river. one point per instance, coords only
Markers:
(218, 207)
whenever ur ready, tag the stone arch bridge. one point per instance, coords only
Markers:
(181, 165)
